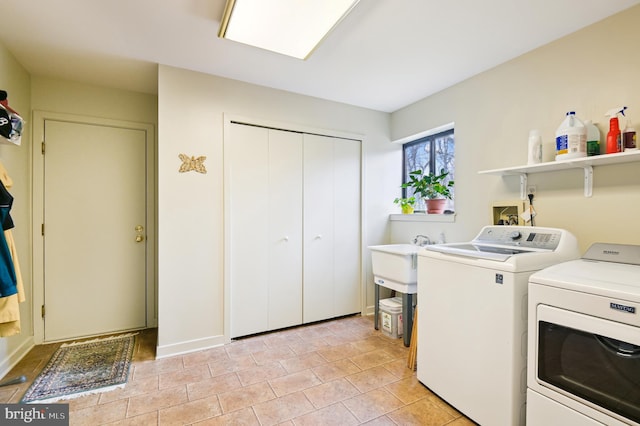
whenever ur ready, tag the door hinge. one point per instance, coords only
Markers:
(42, 147)
(42, 311)
(42, 229)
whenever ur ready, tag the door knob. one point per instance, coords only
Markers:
(139, 228)
(139, 238)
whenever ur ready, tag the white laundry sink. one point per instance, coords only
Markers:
(395, 266)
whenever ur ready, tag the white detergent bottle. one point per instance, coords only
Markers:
(571, 138)
(534, 155)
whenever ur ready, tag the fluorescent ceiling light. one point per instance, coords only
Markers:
(289, 27)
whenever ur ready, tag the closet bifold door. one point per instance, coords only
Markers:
(331, 227)
(265, 174)
(285, 229)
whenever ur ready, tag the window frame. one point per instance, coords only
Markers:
(431, 138)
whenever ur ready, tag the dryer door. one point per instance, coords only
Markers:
(589, 359)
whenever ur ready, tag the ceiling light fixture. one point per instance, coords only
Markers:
(290, 27)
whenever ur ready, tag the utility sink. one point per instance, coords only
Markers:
(395, 266)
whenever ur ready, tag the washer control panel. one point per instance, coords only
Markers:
(520, 236)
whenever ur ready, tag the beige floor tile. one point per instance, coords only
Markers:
(141, 420)
(336, 414)
(261, 373)
(294, 382)
(334, 353)
(283, 409)
(372, 378)
(184, 376)
(272, 354)
(156, 367)
(302, 362)
(381, 421)
(423, 412)
(409, 390)
(237, 363)
(244, 417)
(99, 414)
(156, 400)
(214, 386)
(306, 346)
(373, 404)
(371, 359)
(132, 388)
(331, 392)
(213, 355)
(246, 397)
(190, 412)
(335, 370)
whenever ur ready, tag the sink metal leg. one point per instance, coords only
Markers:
(407, 317)
(375, 305)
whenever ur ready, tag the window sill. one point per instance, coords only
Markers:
(423, 217)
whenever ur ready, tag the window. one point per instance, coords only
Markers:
(430, 154)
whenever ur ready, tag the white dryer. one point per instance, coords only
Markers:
(584, 340)
(472, 317)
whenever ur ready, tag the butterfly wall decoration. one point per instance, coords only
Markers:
(192, 163)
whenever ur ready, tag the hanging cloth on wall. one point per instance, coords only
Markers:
(7, 272)
(9, 306)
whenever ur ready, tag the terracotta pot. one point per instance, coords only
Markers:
(436, 206)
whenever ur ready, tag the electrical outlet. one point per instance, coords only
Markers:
(531, 189)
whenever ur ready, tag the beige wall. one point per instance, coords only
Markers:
(590, 72)
(190, 260)
(16, 81)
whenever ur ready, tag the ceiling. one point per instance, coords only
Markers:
(385, 55)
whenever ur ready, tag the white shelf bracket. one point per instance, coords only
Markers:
(588, 181)
(523, 186)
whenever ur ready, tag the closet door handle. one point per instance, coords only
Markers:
(285, 239)
(318, 237)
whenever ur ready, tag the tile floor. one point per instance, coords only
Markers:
(340, 372)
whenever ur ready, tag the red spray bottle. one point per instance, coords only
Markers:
(614, 138)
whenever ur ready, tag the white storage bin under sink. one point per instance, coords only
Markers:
(391, 323)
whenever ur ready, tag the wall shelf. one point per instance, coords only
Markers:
(585, 163)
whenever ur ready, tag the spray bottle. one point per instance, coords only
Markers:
(614, 138)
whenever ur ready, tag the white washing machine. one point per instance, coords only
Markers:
(472, 317)
(584, 340)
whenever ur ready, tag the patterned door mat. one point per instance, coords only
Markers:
(82, 368)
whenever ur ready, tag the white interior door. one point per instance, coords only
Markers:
(94, 208)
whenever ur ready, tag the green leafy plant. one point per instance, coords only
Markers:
(429, 186)
(404, 202)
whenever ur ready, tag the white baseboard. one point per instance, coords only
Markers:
(182, 348)
(15, 356)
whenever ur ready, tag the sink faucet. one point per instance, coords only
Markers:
(421, 240)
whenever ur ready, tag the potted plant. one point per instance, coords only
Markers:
(433, 188)
(406, 204)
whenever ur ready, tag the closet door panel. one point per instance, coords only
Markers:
(318, 228)
(346, 221)
(248, 149)
(285, 228)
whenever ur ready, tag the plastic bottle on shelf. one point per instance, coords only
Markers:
(614, 137)
(571, 138)
(593, 138)
(534, 155)
(629, 137)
